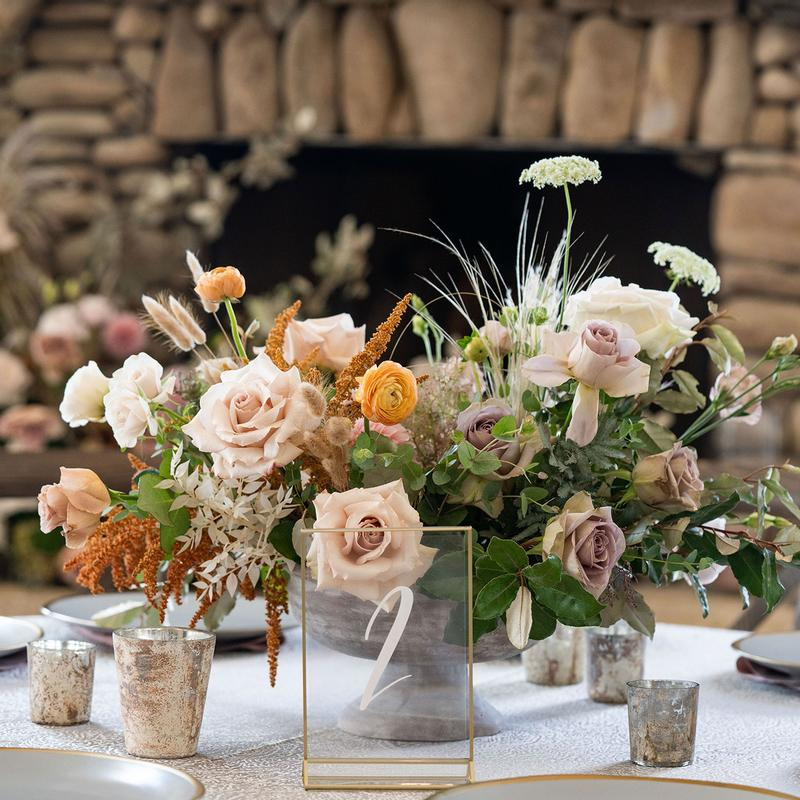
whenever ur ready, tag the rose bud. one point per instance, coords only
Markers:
(782, 346)
(670, 479)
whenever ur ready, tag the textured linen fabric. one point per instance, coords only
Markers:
(251, 743)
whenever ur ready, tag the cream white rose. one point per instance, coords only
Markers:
(132, 390)
(657, 319)
(336, 337)
(84, 395)
(367, 562)
(250, 420)
(16, 379)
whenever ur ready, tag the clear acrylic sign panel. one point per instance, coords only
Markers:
(387, 686)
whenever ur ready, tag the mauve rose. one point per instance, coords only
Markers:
(368, 563)
(29, 428)
(669, 480)
(476, 423)
(124, 335)
(55, 354)
(600, 356)
(587, 540)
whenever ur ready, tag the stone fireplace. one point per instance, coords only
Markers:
(695, 104)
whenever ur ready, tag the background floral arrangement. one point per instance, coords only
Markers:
(540, 434)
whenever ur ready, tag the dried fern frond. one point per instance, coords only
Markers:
(274, 346)
(342, 403)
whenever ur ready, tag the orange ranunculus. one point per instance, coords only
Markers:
(220, 283)
(387, 393)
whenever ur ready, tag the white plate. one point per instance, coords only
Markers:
(16, 633)
(606, 787)
(72, 775)
(778, 650)
(246, 621)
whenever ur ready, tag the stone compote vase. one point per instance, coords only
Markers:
(427, 709)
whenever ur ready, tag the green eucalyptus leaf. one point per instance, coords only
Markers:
(773, 588)
(447, 577)
(546, 573)
(153, 500)
(746, 565)
(570, 602)
(280, 537)
(544, 622)
(729, 342)
(508, 555)
(493, 600)
(505, 428)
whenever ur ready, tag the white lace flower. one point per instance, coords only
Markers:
(685, 265)
(560, 171)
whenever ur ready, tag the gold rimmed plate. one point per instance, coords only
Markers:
(779, 651)
(16, 633)
(607, 787)
(74, 775)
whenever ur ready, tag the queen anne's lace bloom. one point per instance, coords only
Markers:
(685, 265)
(560, 171)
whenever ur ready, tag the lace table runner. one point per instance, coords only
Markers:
(251, 744)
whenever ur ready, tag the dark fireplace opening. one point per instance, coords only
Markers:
(474, 197)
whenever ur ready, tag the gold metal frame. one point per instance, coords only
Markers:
(590, 777)
(199, 789)
(430, 783)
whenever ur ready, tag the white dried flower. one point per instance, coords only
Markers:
(236, 515)
(185, 317)
(164, 322)
(685, 265)
(197, 272)
(560, 171)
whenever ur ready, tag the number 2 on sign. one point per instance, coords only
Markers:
(390, 645)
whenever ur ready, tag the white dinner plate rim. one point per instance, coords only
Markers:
(15, 647)
(589, 777)
(199, 788)
(79, 622)
(737, 645)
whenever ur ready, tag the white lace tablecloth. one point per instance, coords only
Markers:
(251, 742)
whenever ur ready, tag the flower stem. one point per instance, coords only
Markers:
(674, 284)
(235, 331)
(565, 278)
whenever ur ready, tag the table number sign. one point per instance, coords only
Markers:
(396, 710)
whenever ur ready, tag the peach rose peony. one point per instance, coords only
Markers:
(75, 504)
(218, 284)
(367, 562)
(29, 428)
(336, 337)
(387, 393)
(251, 418)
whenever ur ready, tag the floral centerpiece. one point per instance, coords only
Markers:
(543, 431)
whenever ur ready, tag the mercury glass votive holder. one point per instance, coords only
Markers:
(662, 719)
(163, 677)
(614, 656)
(558, 660)
(61, 680)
